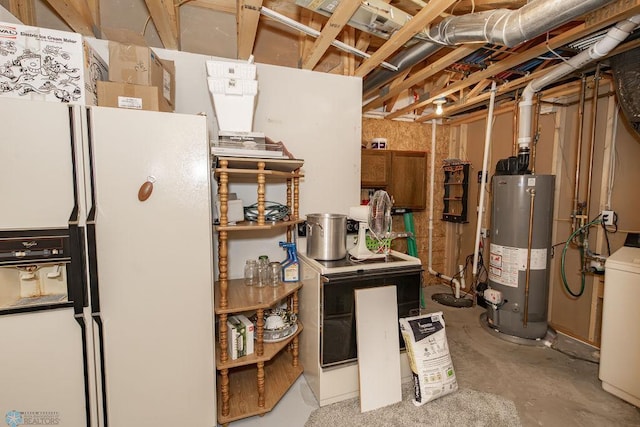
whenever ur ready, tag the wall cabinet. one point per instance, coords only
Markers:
(253, 384)
(403, 174)
(456, 184)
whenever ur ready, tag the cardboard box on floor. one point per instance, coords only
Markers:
(135, 97)
(139, 65)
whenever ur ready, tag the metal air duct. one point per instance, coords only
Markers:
(501, 27)
(626, 75)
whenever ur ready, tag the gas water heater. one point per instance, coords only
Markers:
(520, 253)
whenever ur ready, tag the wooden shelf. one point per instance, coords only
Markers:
(280, 374)
(252, 385)
(250, 164)
(241, 297)
(251, 225)
(270, 350)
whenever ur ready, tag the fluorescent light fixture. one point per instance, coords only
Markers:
(439, 103)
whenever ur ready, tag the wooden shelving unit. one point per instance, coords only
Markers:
(253, 384)
(456, 182)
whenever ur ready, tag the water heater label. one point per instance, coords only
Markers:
(505, 262)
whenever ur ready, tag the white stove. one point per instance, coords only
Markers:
(328, 349)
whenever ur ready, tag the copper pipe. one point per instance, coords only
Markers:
(576, 189)
(536, 137)
(532, 192)
(516, 116)
(592, 143)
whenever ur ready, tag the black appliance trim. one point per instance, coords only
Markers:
(362, 279)
(34, 308)
(374, 272)
(85, 367)
(76, 283)
(103, 385)
(13, 240)
(93, 274)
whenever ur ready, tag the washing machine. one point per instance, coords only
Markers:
(620, 342)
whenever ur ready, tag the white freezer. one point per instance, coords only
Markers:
(155, 267)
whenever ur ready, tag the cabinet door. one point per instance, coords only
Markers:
(375, 169)
(408, 185)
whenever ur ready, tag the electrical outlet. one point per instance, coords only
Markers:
(484, 233)
(607, 217)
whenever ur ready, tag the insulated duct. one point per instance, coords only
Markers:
(616, 35)
(501, 27)
(626, 74)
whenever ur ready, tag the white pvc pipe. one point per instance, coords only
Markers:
(485, 165)
(431, 183)
(613, 38)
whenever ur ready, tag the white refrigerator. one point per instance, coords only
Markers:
(106, 267)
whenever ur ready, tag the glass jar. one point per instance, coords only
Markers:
(263, 271)
(251, 272)
(275, 273)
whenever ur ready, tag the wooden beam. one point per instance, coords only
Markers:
(479, 87)
(428, 71)
(400, 37)
(76, 14)
(163, 14)
(332, 28)
(391, 101)
(24, 10)
(614, 13)
(522, 82)
(248, 18)
(348, 59)
(224, 6)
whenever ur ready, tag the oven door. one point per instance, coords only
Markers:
(338, 330)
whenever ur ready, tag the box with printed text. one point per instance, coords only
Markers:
(48, 65)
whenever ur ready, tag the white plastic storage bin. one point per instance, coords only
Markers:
(233, 102)
(231, 69)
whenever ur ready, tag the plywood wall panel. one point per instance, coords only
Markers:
(411, 136)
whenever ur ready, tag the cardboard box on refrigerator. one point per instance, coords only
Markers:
(48, 65)
(135, 97)
(140, 65)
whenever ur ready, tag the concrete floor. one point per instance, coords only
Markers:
(548, 387)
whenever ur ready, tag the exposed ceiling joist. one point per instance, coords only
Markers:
(24, 10)
(566, 37)
(77, 15)
(428, 71)
(248, 17)
(165, 19)
(400, 37)
(332, 28)
(224, 6)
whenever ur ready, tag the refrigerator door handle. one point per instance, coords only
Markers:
(103, 385)
(95, 306)
(85, 365)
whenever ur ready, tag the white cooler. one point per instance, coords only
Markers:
(620, 344)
